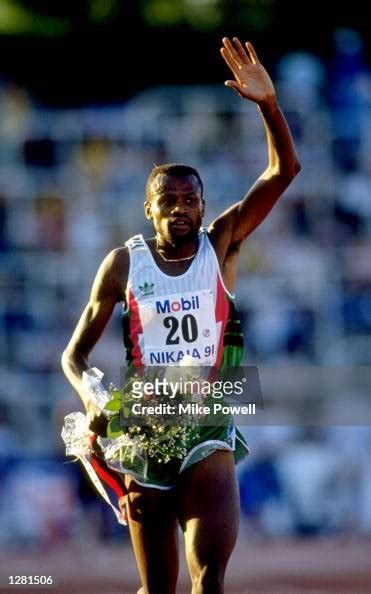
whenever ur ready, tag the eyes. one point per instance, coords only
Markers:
(171, 202)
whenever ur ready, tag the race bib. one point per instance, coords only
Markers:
(178, 325)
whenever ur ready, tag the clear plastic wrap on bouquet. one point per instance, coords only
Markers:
(125, 451)
(92, 386)
(78, 440)
(77, 435)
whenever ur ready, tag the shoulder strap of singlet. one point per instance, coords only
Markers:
(209, 245)
(136, 243)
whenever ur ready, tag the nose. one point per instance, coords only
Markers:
(178, 209)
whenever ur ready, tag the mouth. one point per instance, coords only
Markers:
(180, 223)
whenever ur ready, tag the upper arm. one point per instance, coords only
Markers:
(234, 225)
(107, 290)
(257, 204)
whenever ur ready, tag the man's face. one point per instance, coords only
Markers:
(176, 207)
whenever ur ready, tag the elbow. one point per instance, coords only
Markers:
(73, 357)
(296, 168)
(64, 359)
(293, 170)
(289, 173)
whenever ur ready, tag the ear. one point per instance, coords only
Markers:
(148, 210)
(203, 207)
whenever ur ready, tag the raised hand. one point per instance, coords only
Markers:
(252, 81)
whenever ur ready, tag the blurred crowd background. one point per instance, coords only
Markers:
(72, 176)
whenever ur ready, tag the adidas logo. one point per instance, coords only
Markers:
(147, 288)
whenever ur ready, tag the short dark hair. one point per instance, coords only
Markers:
(174, 169)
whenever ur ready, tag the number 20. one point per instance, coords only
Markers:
(188, 327)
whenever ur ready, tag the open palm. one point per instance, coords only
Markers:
(251, 79)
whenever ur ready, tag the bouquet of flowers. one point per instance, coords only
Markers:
(158, 436)
(132, 440)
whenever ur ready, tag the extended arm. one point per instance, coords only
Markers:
(253, 82)
(106, 292)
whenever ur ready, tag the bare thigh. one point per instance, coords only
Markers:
(153, 529)
(208, 511)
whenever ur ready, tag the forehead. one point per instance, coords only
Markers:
(166, 184)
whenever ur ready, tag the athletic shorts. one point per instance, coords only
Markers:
(164, 475)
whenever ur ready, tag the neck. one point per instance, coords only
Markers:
(174, 253)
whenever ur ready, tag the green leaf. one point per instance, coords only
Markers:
(114, 405)
(114, 428)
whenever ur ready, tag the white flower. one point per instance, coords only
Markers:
(188, 361)
(195, 370)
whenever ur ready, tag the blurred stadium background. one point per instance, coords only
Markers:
(90, 98)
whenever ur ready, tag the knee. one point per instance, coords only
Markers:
(208, 580)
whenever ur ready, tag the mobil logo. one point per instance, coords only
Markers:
(175, 305)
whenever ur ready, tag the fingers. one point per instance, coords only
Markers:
(252, 53)
(233, 55)
(92, 412)
(241, 51)
(232, 84)
(236, 55)
(227, 58)
(235, 86)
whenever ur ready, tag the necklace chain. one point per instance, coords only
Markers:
(175, 259)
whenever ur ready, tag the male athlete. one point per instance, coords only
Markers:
(177, 292)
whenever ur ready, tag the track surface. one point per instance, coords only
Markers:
(321, 566)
